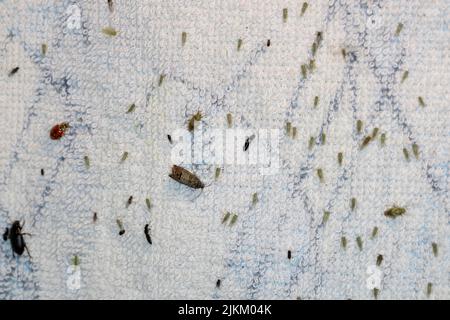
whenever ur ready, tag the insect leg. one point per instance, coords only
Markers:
(6, 234)
(26, 248)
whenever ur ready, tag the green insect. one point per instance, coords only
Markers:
(285, 14)
(359, 242)
(304, 69)
(131, 108)
(394, 212)
(229, 120)
(399, 29)
(109, 31)
(340, 158)
(374, 232)
(359, 125)
(304, 7)
(353, 204)
(320, 175)
(239, 44)
(344, 242)
(326, 216)
(226, 217)
(316, 101)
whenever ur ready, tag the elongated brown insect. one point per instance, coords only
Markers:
(415, 149)
(311, 142)
(239, 44)
(320, 175)
(375, 132)
(316, 101)
(314, 48)
(429, 288)
(186, 177)
(394, 212)
(161, 80)
(405, 76)
(255, 198)
(435, 247)
(359, 242)
(147, 234)
(129, 201)
(87, 162)
(304, 7)
(365, 142)
(195, 117)
(75, 260)
(148, 203)
(344, 242)
(294, 132)
(288, 128)
(229, 120)
(353, 204)
(421, 101)
(124, 156)
(268, 42)
(13, 71)
(226, 217)
(399, 29)
(121, 229)
(131, 108)
(304, 71)
(169, 137)
(217, 173)
(376, 291)
(319, 37)
(233, 219)
(247, 142)
(406, 154)
(218, 283)
(95, 217)
(111, 5)
(383, 139)
(340, 158)
(359, 125)
(285, 14)
(374, 232)
(379, 260)
(44, 49)
(183, 38)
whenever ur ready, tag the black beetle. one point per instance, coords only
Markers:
(147, 234)
(15, 236)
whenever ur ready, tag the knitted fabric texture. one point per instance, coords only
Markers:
(325, 75)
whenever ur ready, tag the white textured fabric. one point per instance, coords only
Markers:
(89, 79)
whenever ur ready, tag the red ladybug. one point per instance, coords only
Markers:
(58, 130)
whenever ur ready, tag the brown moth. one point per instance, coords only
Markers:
(186, 177)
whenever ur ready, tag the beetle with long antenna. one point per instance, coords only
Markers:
(15, 236)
